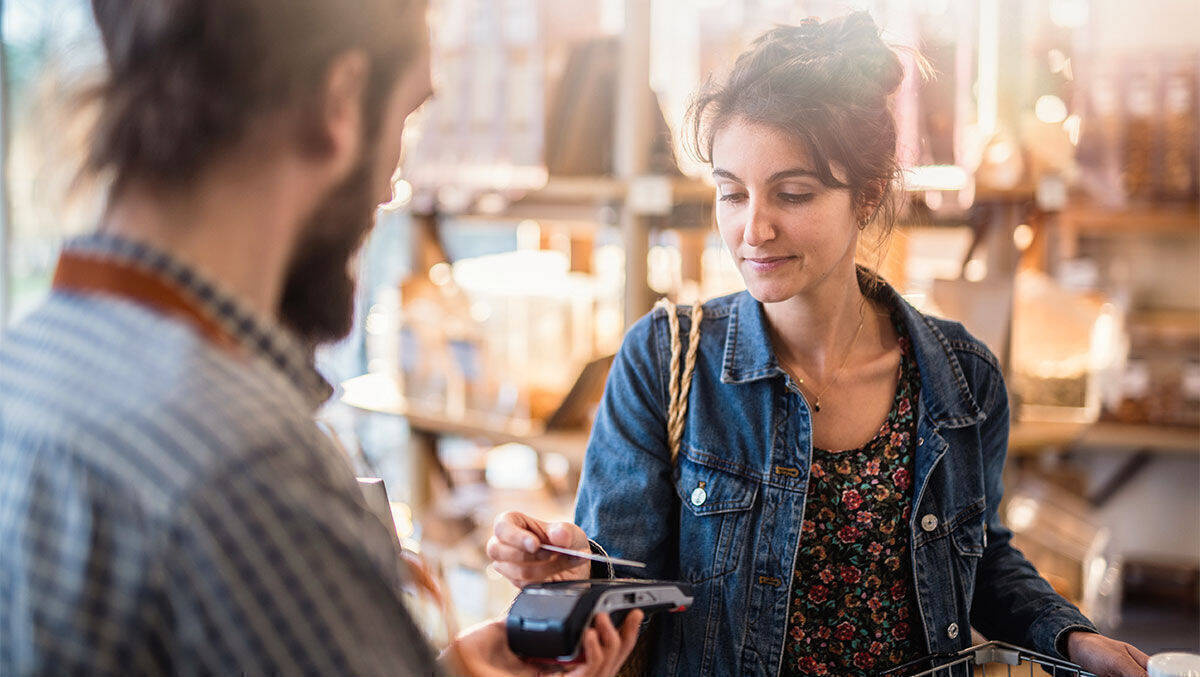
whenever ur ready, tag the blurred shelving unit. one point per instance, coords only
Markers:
(1153, 219)
(1031, 438)
(381, 394)
(523, 172)
(587, 202)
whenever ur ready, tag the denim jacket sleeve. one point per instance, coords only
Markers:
(626, 498)
(1012, 602)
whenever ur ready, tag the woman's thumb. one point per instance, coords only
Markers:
(565, 535)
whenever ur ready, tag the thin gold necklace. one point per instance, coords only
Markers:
(817, 400)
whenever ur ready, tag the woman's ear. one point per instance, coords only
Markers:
(870, 198)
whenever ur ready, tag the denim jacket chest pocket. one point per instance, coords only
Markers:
(968, 530)
(714, 517)
(957, 541)
(962, 524)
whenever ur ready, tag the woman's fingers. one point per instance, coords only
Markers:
(503, 552)
(1138, 656)
(520, 531)
(567, 535)
(523, 575)
(515, 549)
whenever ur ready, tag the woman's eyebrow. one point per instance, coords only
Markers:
(790, 173)
(723, 174)
(785, 174)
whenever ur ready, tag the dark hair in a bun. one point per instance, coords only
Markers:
(826, 83)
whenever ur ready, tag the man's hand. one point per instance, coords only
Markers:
(1104, 656)
(482, 651)
(514, 549)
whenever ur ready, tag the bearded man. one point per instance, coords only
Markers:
(167, 504)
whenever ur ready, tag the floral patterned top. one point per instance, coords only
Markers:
(853, 609)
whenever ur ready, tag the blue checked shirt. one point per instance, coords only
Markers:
(168, 505)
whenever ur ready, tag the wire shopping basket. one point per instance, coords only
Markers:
(990, 658)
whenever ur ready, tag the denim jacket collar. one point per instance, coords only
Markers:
(946, 398)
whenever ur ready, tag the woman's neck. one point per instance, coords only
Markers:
(814, 330)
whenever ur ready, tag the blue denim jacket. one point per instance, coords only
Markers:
(748, 440)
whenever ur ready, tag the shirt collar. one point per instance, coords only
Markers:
(248, 332)
(945, 394)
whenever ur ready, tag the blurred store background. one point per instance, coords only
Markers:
(1052, 186)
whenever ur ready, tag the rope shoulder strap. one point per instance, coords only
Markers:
(679, 384)
(638, 663)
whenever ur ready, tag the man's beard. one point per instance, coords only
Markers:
(318, 293)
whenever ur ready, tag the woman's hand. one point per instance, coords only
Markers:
(1104, 656)
(515, 550)
(482, 651)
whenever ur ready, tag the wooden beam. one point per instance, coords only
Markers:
(632, 151)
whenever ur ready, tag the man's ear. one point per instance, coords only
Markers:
(333, 128)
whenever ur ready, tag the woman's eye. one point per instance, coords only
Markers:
(733, 197)
(795, 198)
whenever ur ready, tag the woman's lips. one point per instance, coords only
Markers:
(766, 264)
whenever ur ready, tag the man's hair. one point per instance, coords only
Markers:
(187, 77)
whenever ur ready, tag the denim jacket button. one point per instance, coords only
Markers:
(929, 522)
(699, 495)
(952, 631)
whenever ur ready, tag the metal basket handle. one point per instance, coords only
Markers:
(945, 664)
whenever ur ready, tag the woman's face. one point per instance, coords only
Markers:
(786, 230)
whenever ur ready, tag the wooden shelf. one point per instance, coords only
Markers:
(605, 188)
(578, 197)
(1032, 438)
(380, 393)
(578, 189)
(1159, 219)
(1017, 194)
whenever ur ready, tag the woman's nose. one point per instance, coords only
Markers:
(760, 226)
